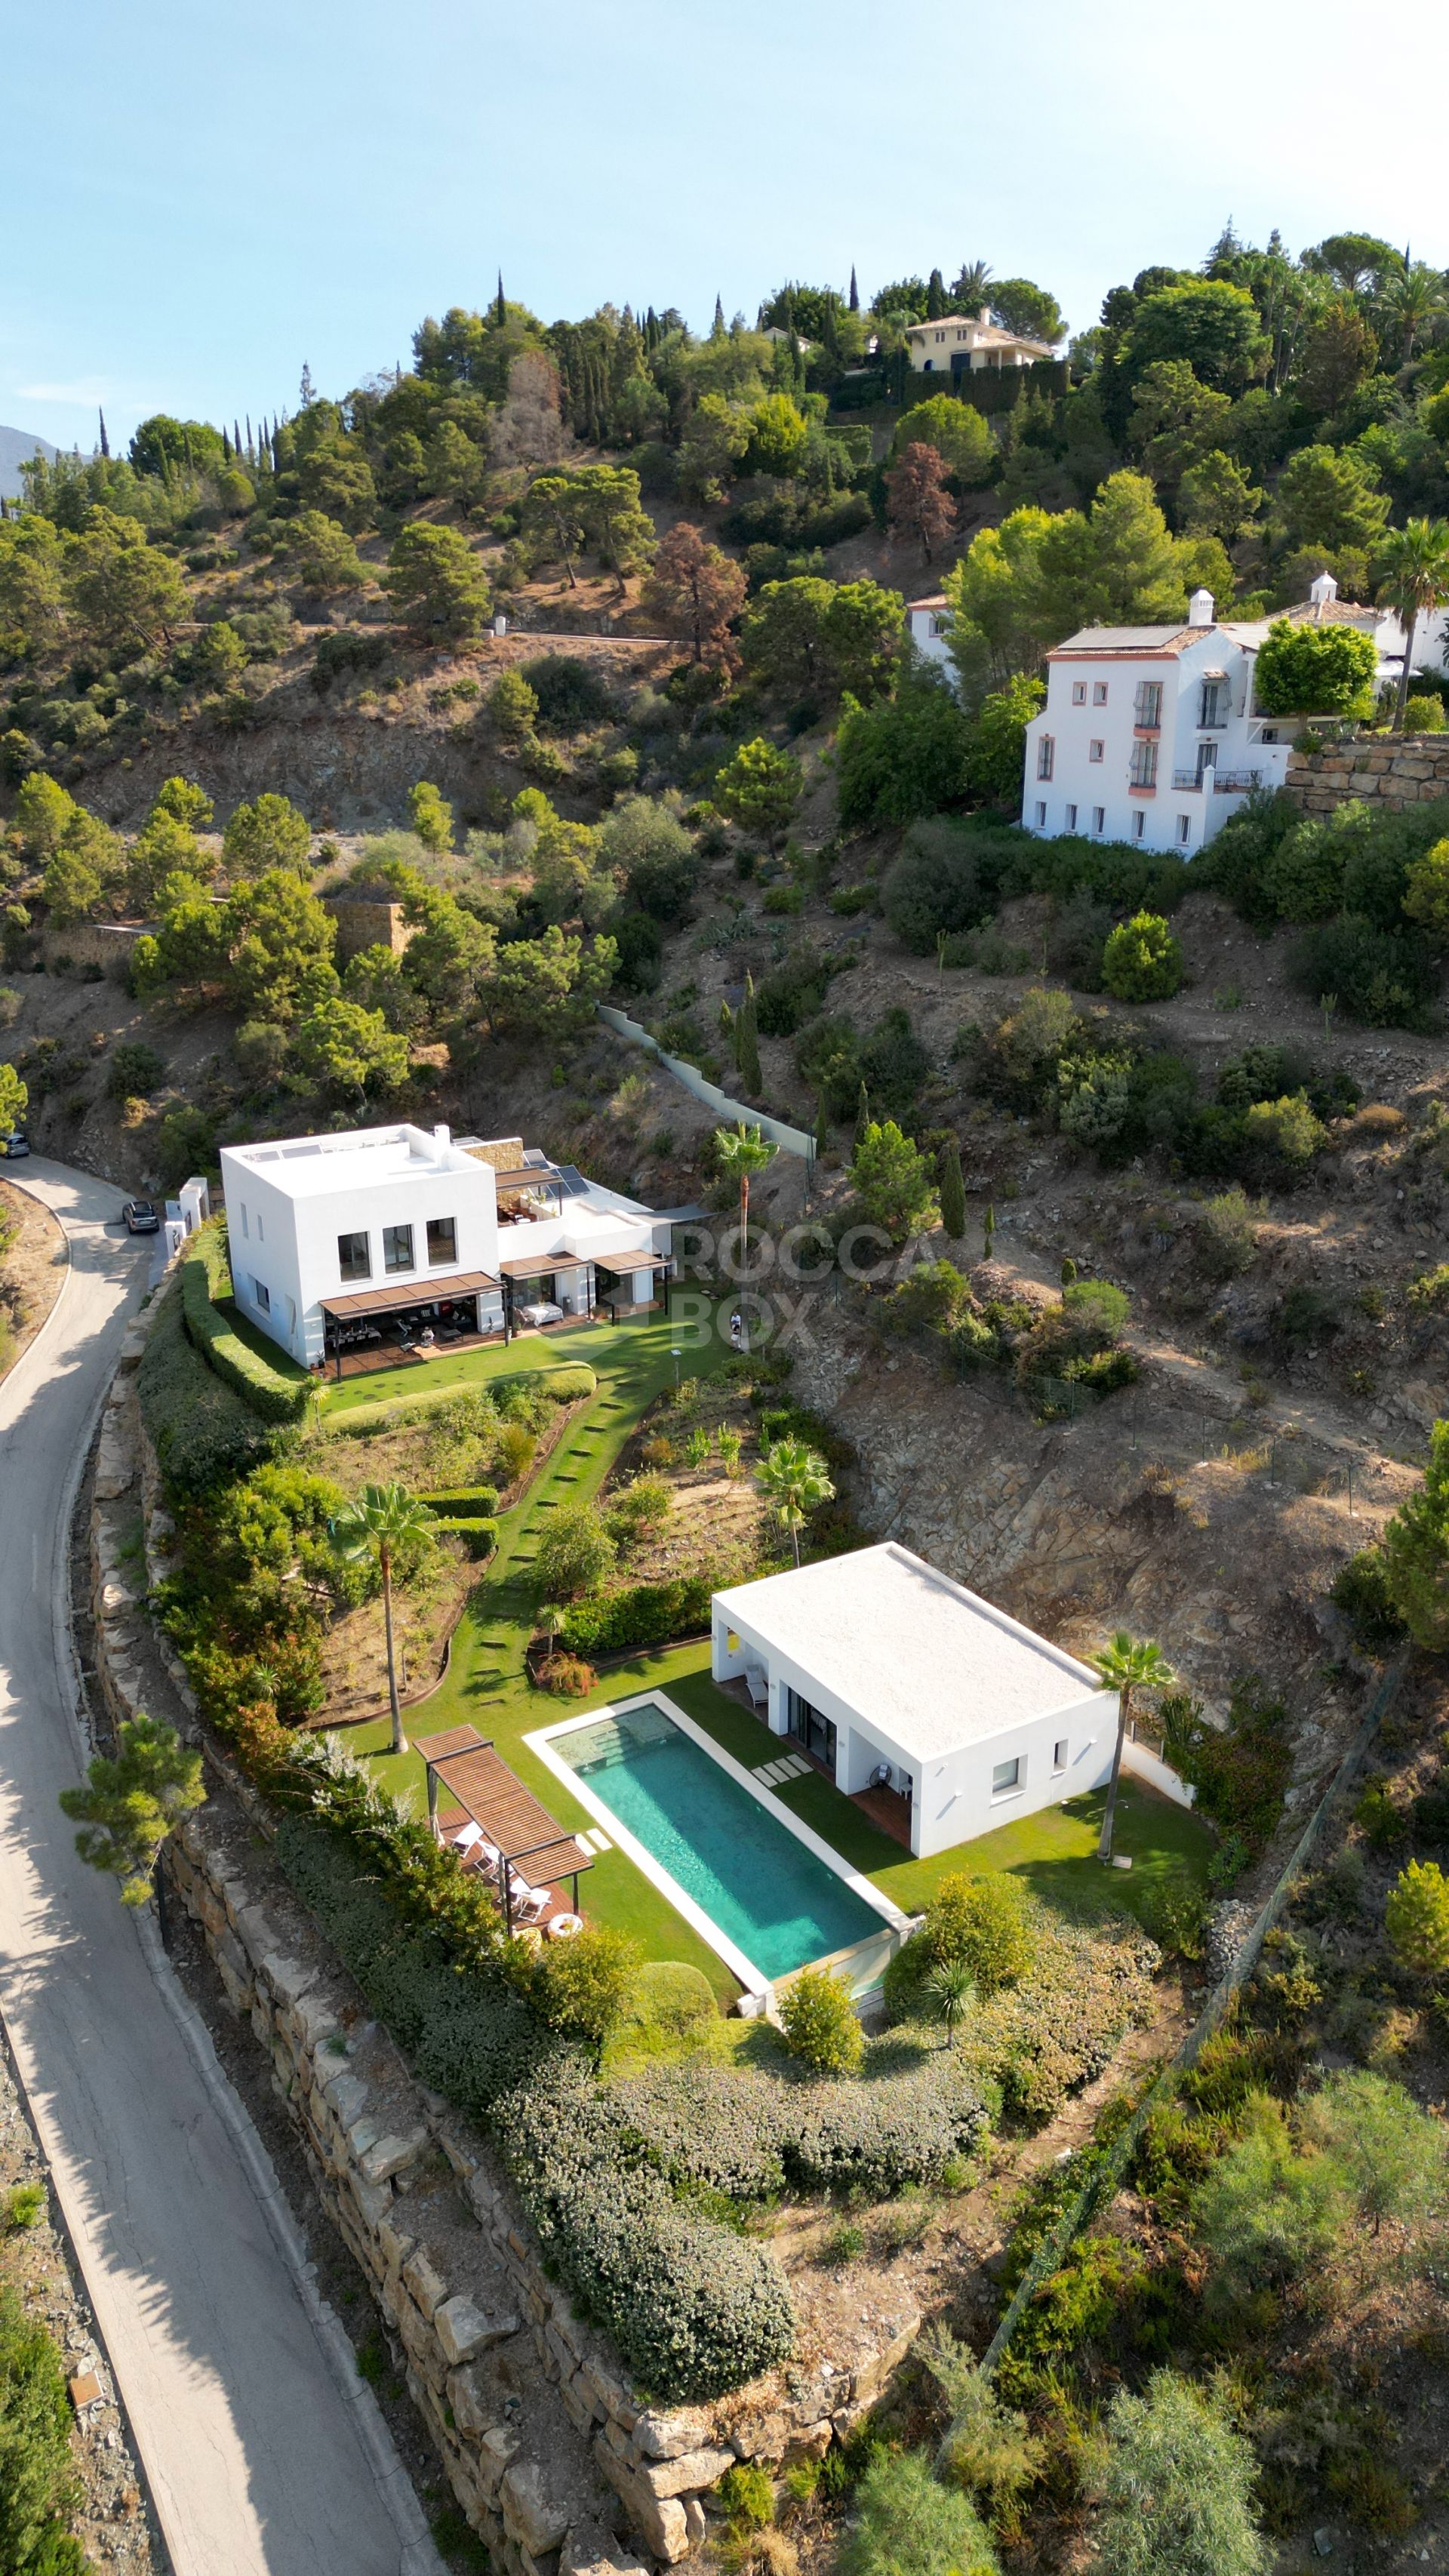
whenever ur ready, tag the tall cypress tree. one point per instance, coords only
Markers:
(500, 309)
(225, 446)
(854, 290)
(935, 296)
(236, 435)
(719, 321)
(747, 1051)
(105, 442)
(953, 1193)
(862, 1115)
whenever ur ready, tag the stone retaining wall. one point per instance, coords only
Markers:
(545, 2447)
(1414, 770)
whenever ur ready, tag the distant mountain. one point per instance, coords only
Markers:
(16, 446)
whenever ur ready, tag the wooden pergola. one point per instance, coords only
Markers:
(467, 1769)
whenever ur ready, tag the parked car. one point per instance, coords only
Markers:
(17, 1146)
(141, 1217)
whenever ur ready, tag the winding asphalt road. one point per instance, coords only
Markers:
(264, 2452)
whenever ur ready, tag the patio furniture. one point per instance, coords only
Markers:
(880, 1777)
(757, 1684)
(469, 1838)
(527, 1901)
(564, 1926)
(522, 1850)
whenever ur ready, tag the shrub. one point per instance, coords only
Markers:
(204, 1432)
(276, 1391)
(935, 885)
(747, 2496)
(1423, 714)
(582, 1987)
(1285, 1129)
(1360, 1590)
(640, 1614)
(134, 1070)
(905, 757)
(1416, 1918)
(1142, 962)
(1178, 2489)
(984, 1925)
(1242, 1771)
(819, 2023)
(37, 2481)
(1268, 2215)
(569, 692)
(751, 2134)
(1381, 977)
(576, 1551)
(1226, 1235)
(673, 1995)
(907, 2524)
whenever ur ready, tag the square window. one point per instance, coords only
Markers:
(1184, 827)
(1071, 818)
(1059, 1754)
(1079, 693)
(262, 1296)
(1139, 824)
(1099, 818)
(354, 1257)
(1040, 817)
(1099, 693)
(1095, 750)
(1006, 1778)
(442, 1241)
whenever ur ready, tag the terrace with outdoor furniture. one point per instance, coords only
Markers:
(481, 1811)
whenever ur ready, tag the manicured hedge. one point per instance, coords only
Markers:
(643, 1614)
(478, 1528)
(752, 2135)
(460, 1502)
(693, 2307)
(568, 1383)
(276, 1390)
(204, 1434)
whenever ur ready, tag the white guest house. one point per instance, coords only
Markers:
(402, 1235)
(894, 1679)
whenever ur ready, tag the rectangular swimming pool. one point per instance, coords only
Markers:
(773, 1899)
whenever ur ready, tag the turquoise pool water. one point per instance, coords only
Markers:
(767, 1893)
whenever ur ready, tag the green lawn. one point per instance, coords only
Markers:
(487, 1685)
(415, 1381)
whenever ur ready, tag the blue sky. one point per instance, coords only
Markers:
(194, 201)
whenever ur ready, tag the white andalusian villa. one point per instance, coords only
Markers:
(893, 1679)
(963, 343)
(402, 1234)
(1150, 733)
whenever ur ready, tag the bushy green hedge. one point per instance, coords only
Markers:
(461, 1502)
(566, 1384)
(37, 2481)
(479, 1529)
(643, 1614)
(693, 2308)
(750, 2134)
(276, 1390)
(203, 1432)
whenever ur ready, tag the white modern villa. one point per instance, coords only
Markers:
(1150, 733)
(405, 1235)
(892, 1678)
(963, 343)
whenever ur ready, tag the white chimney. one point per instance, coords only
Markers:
(442, 1136)
(1322, 592)
(1200, 610)
(984, 317)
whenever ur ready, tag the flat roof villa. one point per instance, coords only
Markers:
(893, 1678)
(348, 1247)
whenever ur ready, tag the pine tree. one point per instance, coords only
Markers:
(953, 1193)
(854, 290)
(500, 309)
(105, 442)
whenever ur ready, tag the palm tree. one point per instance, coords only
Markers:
(1414, 577)
(970, 291)
(740, 1150)
(1411, 300)
(1128, 1664)
(796, 1479)
(382, 1519)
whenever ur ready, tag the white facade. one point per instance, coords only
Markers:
(966, 342)
(894, 1676)
(407, 1217)
(928, 623)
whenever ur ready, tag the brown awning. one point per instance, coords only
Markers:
(467, 1772)
(533, 1176)
(421, 1292)
(541, 1265)
(621, 1261)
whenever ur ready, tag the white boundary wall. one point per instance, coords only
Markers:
(791, 1140)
